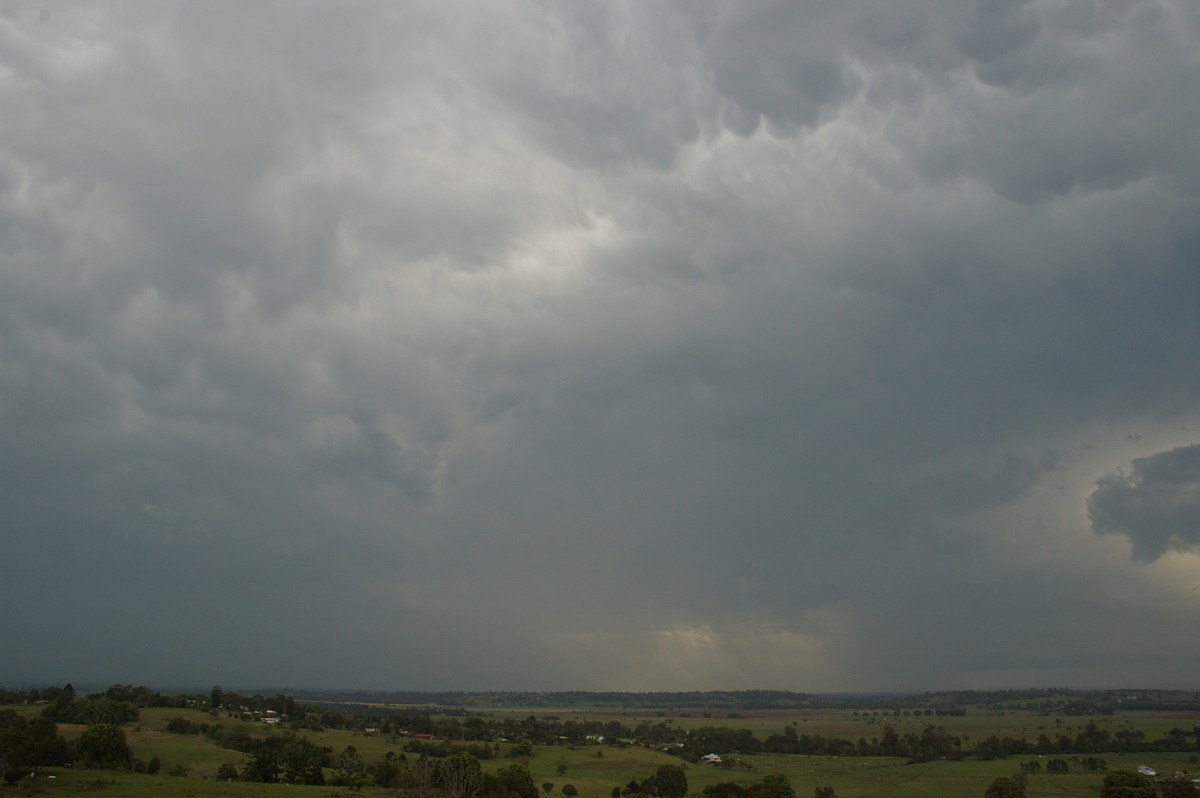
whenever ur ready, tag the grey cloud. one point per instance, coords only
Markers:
(999, 29)
(585, 94)
(1156, 505)
(775, 60)
(416, 316)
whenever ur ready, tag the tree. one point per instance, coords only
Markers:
(669, 781)
(424, 774)
(1127, 784)
(303, 760)
(215, 696)
(569, 790)
(513, 781)
(48, 747)
(824, 792)
(103, 745)
(16, 746)
(349, 771)
(1004, 787)
(386, 771)
(460, 775)
(265, 763)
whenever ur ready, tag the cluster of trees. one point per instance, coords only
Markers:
(1091, 740)
(1088, 764)
(941, 712)
(96, 708)
(934, 742)
(236, 704)
(26, 745)
(287, 758)
(140, 696)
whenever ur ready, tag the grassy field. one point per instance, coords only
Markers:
(596, 770)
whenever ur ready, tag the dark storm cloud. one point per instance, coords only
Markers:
(1156, 506)
(738, 344)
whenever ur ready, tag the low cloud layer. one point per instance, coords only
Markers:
(603, 345)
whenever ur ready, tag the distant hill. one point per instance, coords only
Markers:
(1051, 700)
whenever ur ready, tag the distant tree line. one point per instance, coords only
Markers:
(1049, 700)
(934, 742)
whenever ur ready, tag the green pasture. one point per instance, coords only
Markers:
(594, 770)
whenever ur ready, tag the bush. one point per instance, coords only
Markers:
(182, 726)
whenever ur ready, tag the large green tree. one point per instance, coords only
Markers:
(265, 762)
(1127, 784)
(512, 781)
(103, 745)
(16, 746)
(669, 781)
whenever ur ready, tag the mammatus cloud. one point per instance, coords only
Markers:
(593, 344)
(1156, 505)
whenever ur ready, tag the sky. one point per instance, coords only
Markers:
(600, 345)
